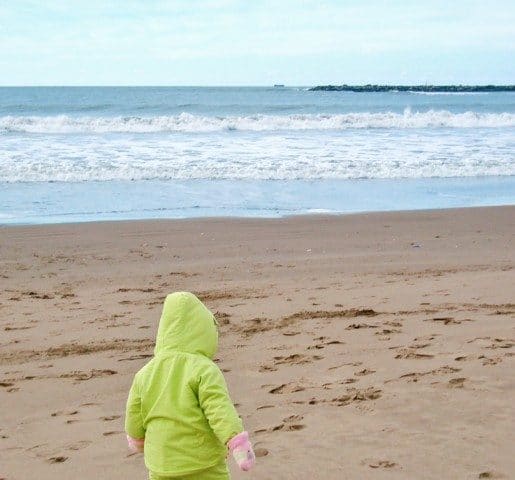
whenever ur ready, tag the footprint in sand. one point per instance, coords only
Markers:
(267, 368)
(287, 388)
(490, 361)
(79, 445)
(446, 320)
(355, 395)
(140, 356)
(261, 452)
(381, 464)
(22, 327)
(319, 345)
(406, 353)
(62, 412)
(357, 326)
(295, 359)
(416, 376)
(388, 331)
(59, 459)
(110, 418)
(349, 380)
(417, 346)
(461, 358)
(289, 424)
(426, 338)
(457, 382)
(501, 343)
(488, 474)
(353, 364)
(393, 324)
(37, 295)
(80, 376)
(45, 449)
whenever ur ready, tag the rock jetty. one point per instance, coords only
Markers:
(414, 88)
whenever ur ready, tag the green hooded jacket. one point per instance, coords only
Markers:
(179, 400)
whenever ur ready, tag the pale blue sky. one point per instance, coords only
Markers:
(252, 42)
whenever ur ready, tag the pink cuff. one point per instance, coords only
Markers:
(238, 440)
(136, 445)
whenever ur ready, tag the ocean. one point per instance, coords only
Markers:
(70, 154)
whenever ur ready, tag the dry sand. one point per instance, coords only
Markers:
(375, 346)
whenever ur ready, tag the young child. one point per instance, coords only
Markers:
(179, 411)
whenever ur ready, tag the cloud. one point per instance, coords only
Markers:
(152, 33)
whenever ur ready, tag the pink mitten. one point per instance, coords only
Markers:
(241, 450)
(136, 445)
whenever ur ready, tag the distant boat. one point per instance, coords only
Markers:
(278, 85)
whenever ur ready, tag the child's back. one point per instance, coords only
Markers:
(179, 401)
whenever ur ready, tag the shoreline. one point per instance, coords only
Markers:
(312, 215)
(237, 219)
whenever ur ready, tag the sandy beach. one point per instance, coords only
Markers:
(368, 346)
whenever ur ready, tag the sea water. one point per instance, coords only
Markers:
(107, 153)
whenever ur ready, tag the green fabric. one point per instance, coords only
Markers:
(218, 472)
(179, 400)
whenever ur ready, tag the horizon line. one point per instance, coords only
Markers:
(277, 85)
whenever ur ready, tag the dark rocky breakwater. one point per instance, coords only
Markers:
(414, 88)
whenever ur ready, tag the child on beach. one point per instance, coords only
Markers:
(179, 411)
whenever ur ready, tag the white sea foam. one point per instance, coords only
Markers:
(186, 122)
(320, 211)
(349, 154)
(449, 93)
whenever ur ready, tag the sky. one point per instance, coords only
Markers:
(253, 42)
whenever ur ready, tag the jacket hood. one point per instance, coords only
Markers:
(186, 325)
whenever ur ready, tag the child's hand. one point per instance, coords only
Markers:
(136, 445)
(241, 450)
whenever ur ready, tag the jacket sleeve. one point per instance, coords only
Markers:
(133, 418)
(216, 404)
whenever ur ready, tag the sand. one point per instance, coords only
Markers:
(371, 346)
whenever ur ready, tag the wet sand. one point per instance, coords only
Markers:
(356, 347)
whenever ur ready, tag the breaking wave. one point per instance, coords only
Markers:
(185, 122)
